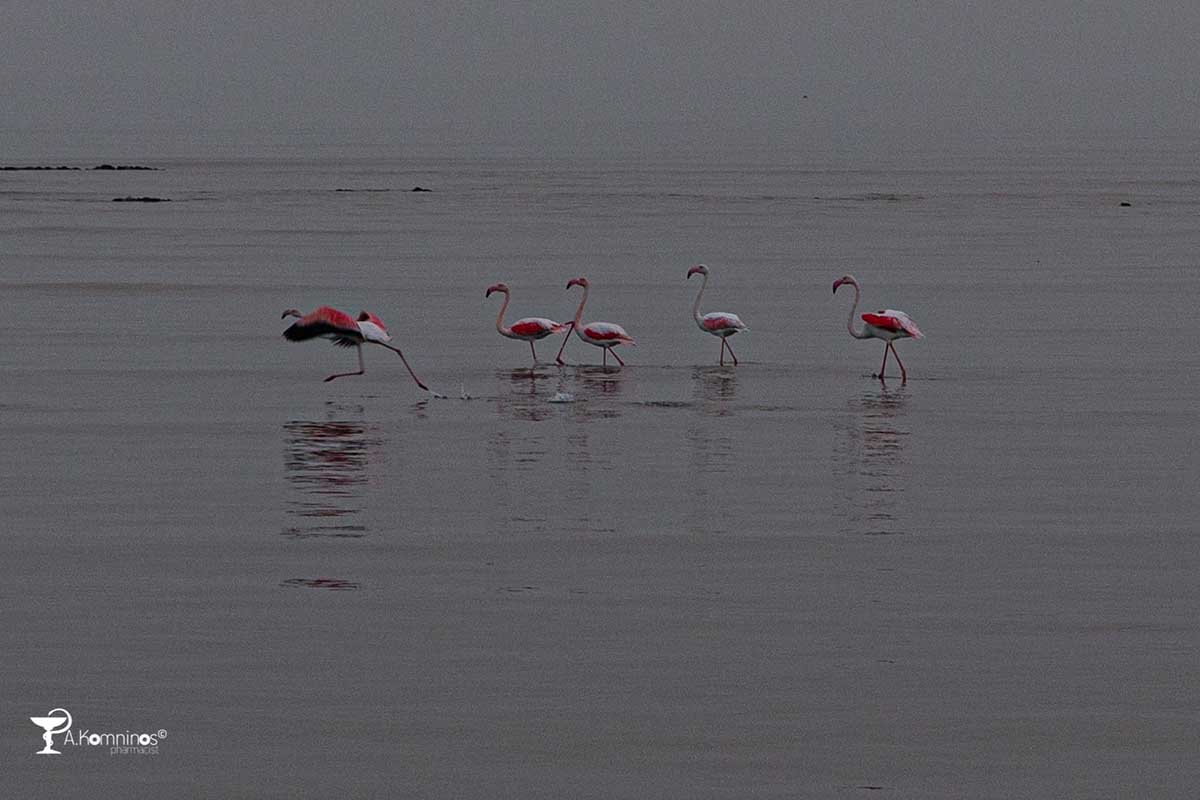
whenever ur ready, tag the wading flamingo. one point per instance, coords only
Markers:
(529, 329)
(719, 323)
(887, 325)
(601, 334)
(345, 331)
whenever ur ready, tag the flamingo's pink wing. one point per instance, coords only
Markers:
(882, 320)
(607, 331)
(719, 321)
(535, 326)
(325, 321)
(892, 320)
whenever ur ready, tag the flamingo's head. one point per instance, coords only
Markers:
(497, 287)
(844, 279)
(699, 269)
(291, 312)
(577, 282)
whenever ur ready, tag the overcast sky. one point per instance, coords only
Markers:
(574, 76)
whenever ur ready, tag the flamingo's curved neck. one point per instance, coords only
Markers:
(500, 317)
(579, 311)
(696, 307)
(861, 333)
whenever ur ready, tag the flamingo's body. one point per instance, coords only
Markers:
(528, 329)
(606, 335)
(887, 325)
(344, 331)
(719, 323)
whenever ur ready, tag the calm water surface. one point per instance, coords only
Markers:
(784, 579)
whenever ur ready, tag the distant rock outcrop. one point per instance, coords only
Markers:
(48, 167)
(146, 199)
(421, 189)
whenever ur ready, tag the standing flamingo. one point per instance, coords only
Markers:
(887, 325)
(345, 331)
(601, 334)
(719, 323)
(529, 329)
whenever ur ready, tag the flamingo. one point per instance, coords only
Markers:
(887, 325)
(719, 323)
(601, 334)
(345, 331)
(529, 329)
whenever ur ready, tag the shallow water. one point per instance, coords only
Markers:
(784, 578)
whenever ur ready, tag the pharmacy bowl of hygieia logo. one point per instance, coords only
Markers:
(51, 724)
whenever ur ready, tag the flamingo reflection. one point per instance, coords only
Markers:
(871, 463)
(326, 464)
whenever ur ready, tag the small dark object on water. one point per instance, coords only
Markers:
(141, 199)
(421, 189)
(1126, 204)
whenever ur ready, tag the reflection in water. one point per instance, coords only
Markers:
(597, 389)
(326, 463)
(517, 394)
(716, 387)
(710, 448)
(524, 485)
(585, 482)
(869, 454)
(515, 453)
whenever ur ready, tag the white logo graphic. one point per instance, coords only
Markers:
(51, 723)
(121, 743)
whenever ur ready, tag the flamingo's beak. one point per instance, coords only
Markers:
(836, 284)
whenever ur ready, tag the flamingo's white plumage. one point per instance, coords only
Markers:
(527, 329)
(887, 325)
(719, 323)
(606, 335)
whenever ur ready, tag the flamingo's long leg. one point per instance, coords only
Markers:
(903, 371)
(558, 358)
(617, 357)
(361, 370)
(722, 360)
(604, 358)
(532, 350)
(886, 348)
(396, 350)
(729, 347)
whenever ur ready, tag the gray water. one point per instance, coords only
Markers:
(781, 579)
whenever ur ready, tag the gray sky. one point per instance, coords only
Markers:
(577, 76)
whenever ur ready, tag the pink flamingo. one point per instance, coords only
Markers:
(601, 334)
(529, 329)
(719, 323)
(345, 331)
(887, 325)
